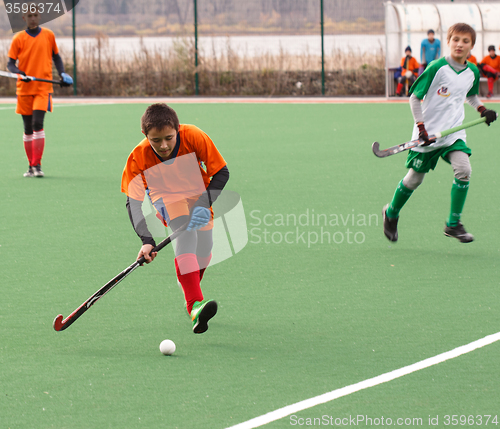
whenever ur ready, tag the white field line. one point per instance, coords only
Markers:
(91, 101)
(213, 100)
(63, 105)
(384, 378)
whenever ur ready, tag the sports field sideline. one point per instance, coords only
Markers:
(308, 308)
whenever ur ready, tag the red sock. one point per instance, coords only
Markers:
(38, 146)
(203, 264)
(28, 147)
(491, 82)
(188, 273)
(400, 87)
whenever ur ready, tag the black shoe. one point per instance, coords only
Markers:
(458, 232)
(390, 225)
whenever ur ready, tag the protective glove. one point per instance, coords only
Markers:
(491, 115)
(27, 79)
(66, 80)
(422, 134)
(199, 218)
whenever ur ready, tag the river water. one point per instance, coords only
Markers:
(248, 46)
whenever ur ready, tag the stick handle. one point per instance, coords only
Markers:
(163, 243)
(33, 79)
(460, 127)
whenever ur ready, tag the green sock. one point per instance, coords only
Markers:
(399, 199)
(458, 194)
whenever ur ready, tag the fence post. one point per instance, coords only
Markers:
(322, 51)
(196, 83)
(74, 51)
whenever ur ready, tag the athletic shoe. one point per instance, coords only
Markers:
(458, 232)
(201, 313)
(489, 95)
(29, 173)
(390, 225)
(37, 171)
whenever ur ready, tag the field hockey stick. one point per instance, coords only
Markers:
(61, 325)
(414, 143)
(31, 78)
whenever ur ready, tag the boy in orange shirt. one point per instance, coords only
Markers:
(35, 48)
(181, 171)
(490, 66)
(409, 70)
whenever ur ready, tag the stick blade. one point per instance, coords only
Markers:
(58, 325)
(376, 150)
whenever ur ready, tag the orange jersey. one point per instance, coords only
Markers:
(186, 175)
(492, 62)
(412, 65)
(35, 59)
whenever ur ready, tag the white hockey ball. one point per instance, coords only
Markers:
(167, 347)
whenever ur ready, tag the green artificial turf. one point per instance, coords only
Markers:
(296, 319)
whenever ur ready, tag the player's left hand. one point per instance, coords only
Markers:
(491, 115)
(66, 80)
(199, 218)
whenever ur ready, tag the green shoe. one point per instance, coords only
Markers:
(201, 313)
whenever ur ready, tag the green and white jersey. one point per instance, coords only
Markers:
(444, 91)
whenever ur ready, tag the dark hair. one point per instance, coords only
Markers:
(408, 48)
(159, 116)
(431, 31)
(462, 28)
(491, 48)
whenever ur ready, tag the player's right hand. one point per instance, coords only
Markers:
(145, 251)
(25, 79)
(422, 134)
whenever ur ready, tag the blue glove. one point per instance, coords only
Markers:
(199, 218)
(66, 79)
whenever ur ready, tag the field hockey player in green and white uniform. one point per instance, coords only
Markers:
(444, 86)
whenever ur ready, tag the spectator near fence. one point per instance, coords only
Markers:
(490, 67)
(430, 49)
(409, 71)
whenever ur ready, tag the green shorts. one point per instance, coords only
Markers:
(422, 162)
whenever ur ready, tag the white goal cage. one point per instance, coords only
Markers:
(406, 24)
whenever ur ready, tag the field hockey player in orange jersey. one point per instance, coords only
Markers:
(35, 48)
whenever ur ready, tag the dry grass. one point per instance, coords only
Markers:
(171, 72)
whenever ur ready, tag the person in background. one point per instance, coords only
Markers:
(472, 59)
(35, 49)
(490, 67)
(437, 103)
(409, 71)
(430, 49)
